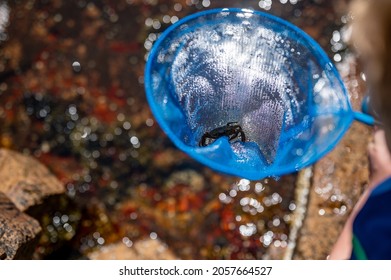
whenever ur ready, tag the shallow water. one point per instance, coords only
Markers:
(71, 94)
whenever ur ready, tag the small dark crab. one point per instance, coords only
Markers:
(232, 130)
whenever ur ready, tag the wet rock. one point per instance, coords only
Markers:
(337, 183)
(147, 249)
(18, 231)
(26, 181)
(186, 177)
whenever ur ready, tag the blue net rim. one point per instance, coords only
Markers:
(194, 151)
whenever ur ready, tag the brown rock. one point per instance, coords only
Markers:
(18, 231)
(26, 181)
(337, 183)
(147, 249)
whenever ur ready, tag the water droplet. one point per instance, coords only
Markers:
(153, 235)
(276, 222)
(259, 187)
(126, 125)
(206, 3)
(68, 227)
(232, 193)
(4, 19)
(148, 45)
(43, 113)
(127, 241)
(244, 185)
(267, 238)
(76, 66)
(166, 19)
(336, 36)
(57, 18)
(222, 196)
(117, 131)
(101, 241)
(299, 152)
(72, 110)
(178, 7)
(265, 4)
(121, 117)
(56, 220)
(292, 206)
(149, 22)
(248, 230)
(95, 154)
(149, 122)
(134, 140)
(133, 216)
(64, 218)
(156, 24)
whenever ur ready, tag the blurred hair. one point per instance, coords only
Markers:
(371, 37)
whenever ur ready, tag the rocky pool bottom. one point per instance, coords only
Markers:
(72, 99)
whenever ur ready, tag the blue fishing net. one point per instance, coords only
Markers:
(263, 74)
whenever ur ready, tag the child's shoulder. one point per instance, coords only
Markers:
(382, 188)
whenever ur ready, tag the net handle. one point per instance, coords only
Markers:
(365, 118)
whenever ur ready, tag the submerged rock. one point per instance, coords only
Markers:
(26, 181)
(25, 186)
(18, 231)
(147, 249)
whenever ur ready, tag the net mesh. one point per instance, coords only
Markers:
(243, 67)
